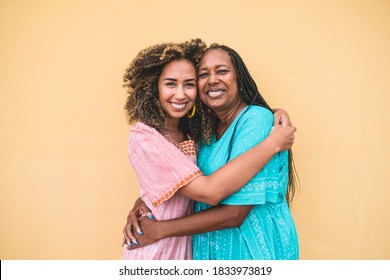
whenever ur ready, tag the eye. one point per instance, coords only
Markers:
(170, 84)
(203, 75)
(190, 85)
(222, 71)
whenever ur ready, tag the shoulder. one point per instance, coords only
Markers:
(257, 115)
(141, 133)
(258, 112)
(140, 128)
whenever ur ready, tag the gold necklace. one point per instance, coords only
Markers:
(170, 138)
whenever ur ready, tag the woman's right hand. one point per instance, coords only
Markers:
(140, 209)
(283, 137)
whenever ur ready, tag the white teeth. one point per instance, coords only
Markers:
(178, 106)
(215, 93)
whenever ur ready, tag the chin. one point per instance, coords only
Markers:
(177, 115)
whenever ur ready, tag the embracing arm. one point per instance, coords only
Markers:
(212, 219)
(237, 172)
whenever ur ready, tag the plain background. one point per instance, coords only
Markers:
(66, 185)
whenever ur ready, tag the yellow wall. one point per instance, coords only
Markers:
(65, 181)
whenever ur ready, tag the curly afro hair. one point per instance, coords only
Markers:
(141, 81)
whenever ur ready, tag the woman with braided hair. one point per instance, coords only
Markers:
(255, 222)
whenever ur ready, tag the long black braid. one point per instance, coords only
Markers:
(250, 95)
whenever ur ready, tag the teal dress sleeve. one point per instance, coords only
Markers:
(253, 127)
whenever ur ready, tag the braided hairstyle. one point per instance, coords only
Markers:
(250, 95)
(141, 81)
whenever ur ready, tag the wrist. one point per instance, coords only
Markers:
(272, 144)
(161, 230)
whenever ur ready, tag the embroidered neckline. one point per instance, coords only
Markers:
(174, 141)
(188, 147)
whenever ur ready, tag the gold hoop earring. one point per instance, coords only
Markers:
(192, 114)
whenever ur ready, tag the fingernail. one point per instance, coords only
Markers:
(128, 243)
(136, 243)
(150, 215)
(139, 232)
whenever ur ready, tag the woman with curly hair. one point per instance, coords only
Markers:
(168, 121)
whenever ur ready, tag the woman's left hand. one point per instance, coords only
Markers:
(150, 233)
(281, 118)
(139, 209)
(282, 137)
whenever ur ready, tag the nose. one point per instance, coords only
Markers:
(213, 78)
(180, 92)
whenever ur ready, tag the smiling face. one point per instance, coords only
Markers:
(217, 81)
(177, 88)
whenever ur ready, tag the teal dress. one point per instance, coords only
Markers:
(268, 232)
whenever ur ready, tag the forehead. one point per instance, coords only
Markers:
(215, 57)
(178, 66)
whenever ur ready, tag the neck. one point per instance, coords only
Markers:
(172, 124)
(173, 130)
(225, 118)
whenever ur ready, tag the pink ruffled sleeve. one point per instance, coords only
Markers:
(161, 168)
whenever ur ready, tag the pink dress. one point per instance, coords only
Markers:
(162, 167)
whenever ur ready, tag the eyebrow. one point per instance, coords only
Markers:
(175, 80)
(218, 66)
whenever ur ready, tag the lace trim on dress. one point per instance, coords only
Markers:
(167, 195)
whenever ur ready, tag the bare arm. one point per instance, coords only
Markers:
(237, 172)
(212, 219)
